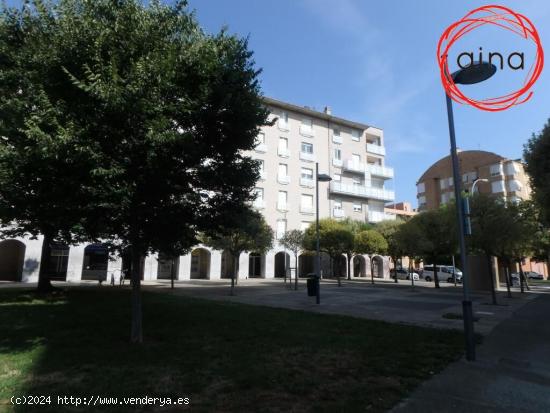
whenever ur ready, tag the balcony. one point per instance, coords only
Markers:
(337, 162)
(306, 209)
(259, 204)
(353, 166)
(305, 156)
(379, 170)
(307, 182)
(283, 179)
(337, 139)
(362, 191)
(377, 216)
(261, 147)
(284, 152)
(283, 206)
(338, 213)
(307, 131)
(376, 149)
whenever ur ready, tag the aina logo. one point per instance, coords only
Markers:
(505, 20)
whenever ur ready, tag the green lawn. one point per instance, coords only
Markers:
(225, 357)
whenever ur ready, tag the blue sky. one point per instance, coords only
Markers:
(374, 62)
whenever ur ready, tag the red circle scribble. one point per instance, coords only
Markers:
(502, 17)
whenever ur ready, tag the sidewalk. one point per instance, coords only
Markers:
(511, 374)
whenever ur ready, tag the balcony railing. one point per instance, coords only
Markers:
(379, 170)
(306, 156)
(307, 131)
(337, 139)
(284, 152)
(283, 206)
(261, 147)
(338, 213)
(377, 216)
(354, 166)
(362, 191)
(310, 183)
(283, 179)
(306, 209)
(376, 149)
(336, 162)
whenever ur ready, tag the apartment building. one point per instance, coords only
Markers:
(352, 153)
(506, 178)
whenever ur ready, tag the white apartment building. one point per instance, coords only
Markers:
(352, 153)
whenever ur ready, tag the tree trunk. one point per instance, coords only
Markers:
(172, 275)
(490, 268)
(349, 266)
(44, 283)
(436, 278)
(522, 278)
(410, 273)
(296, 270)
(137, 332)
(507, 276)
(372, 271)
(395, 270)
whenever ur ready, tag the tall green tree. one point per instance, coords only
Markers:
(244, 230)
(438, 232)
(370, 242)
(168, 110)
(389, 229)
(355, 227)
(334, 240)
(293, 241)
(411, 241)
(536, 153)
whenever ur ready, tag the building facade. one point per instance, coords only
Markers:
(352, 153)
(506, 178)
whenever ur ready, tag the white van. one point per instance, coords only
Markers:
(444, 272)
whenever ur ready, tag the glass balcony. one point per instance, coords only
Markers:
(376, 149)
(337, 162)
(305, 156)
(354, 166)
(309, 183)
(362, 191)
(378, 170)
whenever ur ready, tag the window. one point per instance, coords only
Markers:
(260, 143)
(262, 168)
(420, 187)
(281, 228)
(306, 204)
(497, 186)
(283, 147)
(337, 204)
(337, 177)
(304, 225)
(283, 173)
(496, 169)
(338, 154)
(306, 128)
(511, 168)
(283, 121)
(514, 185)
(355, 135)
(282, 200)
(357, 207)
(307, 173)
(421, 200)
(443, 183)
(259, 201)
(307, 148)
(356, 159)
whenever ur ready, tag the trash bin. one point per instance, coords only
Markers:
(312, 281)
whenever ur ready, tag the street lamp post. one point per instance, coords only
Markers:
(318, 178)
(475, 73)
(478, 180)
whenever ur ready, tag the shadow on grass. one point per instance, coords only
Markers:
(223, 356)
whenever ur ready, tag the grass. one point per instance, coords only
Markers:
(225, 357)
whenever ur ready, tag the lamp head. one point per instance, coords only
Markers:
(475, 73)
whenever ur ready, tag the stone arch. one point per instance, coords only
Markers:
(378, 266)
(12, 258)
(227, 265)
(96, 261)
(256, 265)
(359, 265)
(306, 264)
(282, 263)
(167, 267)
(200, 263)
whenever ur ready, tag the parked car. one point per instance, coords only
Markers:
(403, 274)
(533, 275)
(444, 272)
